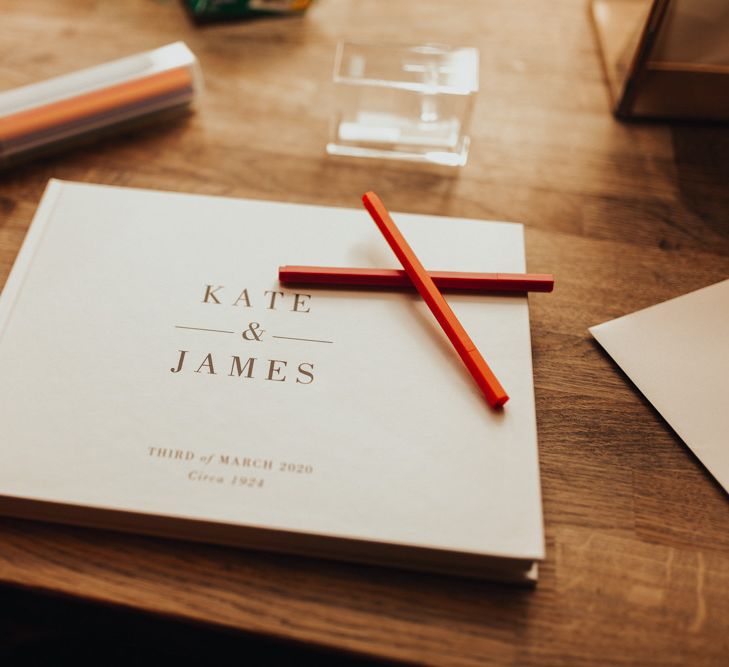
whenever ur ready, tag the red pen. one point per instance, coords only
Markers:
(471, 357)
(462, 280)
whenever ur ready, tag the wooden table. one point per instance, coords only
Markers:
(637, 568)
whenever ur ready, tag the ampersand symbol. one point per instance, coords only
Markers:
(256, 333)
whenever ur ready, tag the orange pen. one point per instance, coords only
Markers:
(471, 357)
(460, 280)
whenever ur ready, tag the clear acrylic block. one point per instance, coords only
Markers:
(403, 102)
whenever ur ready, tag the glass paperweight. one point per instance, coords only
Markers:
(403, 102)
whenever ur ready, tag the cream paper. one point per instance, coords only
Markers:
(677, 354)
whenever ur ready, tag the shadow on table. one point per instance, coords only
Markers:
(44, 630)
(701, 154)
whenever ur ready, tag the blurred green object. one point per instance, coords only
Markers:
(221, 9)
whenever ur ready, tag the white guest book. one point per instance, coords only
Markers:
(155, 377)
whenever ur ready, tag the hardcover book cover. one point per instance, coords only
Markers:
(155, 377)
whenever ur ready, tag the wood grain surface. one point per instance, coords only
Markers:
(625, 215)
